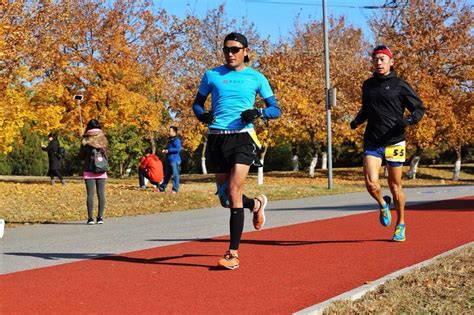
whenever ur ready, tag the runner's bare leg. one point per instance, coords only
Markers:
(395, 185)
(372, 166)
(237, 179)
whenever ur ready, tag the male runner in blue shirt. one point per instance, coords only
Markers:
(232, 143)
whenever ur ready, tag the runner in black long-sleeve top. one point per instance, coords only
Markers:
(384, 100)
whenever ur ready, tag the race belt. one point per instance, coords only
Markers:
(250, 131)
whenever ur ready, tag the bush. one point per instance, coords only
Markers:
(347, 155)
(27, 158)
(126, 147)
(5, 165)
(278, 158)
(71, 164)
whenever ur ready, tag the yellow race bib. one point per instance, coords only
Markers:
(396, 152)
(254, 137)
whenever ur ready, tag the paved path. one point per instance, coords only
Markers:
(30, 247)
(283, 269)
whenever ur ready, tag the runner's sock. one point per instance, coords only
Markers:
(248, 203)
(236, 227)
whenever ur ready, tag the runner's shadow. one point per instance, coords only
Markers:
(270, 242)
(119, 258)
(362, 207)
(58, 256)
(45, 222)
(159, 260)
(452, 205)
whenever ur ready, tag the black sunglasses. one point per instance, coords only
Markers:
(233, 49)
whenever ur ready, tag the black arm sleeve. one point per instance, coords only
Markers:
(413, 103)
(198, 105)
(361, 116)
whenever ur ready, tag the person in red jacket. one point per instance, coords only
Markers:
(150, 168)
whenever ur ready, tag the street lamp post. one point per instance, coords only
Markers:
(78, 99)
(328, 98)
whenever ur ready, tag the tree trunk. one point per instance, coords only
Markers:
(128, 171)
(203, 157)
(457, 165)
(312, 166)
(260, 169)
(203, 165)
(151, 138)
(153, 146)
(295, 162)
(324, 162)
(413, 167)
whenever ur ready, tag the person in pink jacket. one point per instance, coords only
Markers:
(94, 139)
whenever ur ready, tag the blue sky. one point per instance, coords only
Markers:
(275, 18)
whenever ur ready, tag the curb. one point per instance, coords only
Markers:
(357, 293)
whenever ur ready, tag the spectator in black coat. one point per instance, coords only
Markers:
(54, 158)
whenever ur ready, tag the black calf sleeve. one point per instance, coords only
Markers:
(248, 203)
(236, 227)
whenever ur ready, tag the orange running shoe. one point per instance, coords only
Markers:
(259, 212)
(230, 261)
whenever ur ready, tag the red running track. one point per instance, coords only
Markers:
(282, 269)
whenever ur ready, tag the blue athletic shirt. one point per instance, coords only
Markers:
(232, 93)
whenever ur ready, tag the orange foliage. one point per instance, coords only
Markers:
(137, 66)
(432, 41)
(296, 72)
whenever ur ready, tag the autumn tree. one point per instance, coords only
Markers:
(114, 56)
(16, 19)
(432, 41)
(296, 72)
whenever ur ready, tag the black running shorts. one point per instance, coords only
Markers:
(226, 150)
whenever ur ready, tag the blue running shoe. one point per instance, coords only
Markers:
(399, 235)
(384, 216)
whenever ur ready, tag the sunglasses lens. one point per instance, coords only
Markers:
(233, 50)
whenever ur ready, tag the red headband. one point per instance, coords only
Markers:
(383, 50)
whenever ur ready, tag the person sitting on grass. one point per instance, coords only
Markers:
(150, 168)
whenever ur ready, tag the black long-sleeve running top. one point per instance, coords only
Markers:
(384, 100)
